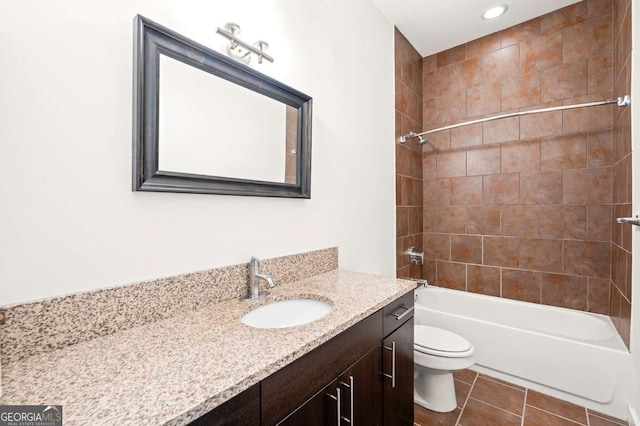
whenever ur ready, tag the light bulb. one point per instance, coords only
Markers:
(495, 11)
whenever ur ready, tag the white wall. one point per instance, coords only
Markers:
(635, 141)
(69, 221)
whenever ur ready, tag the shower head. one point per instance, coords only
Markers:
(423, 141)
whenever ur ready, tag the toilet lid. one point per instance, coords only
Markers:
(438, 341)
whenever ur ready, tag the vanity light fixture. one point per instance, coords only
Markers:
(241, 50)
(495, 11)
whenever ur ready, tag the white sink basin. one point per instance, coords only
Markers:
(286, 313)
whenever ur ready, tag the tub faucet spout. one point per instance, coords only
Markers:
(254, 280)
(420, 281)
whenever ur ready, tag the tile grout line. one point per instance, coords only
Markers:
(586, 412)
(467, 399)
(524, 405)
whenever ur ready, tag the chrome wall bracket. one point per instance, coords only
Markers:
(629, 220)
(403, 138)
(241, 50)
(624, 100)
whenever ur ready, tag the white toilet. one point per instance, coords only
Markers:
(437, 354)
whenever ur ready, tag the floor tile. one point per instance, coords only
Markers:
(462, 391)
(424, 417)
(504, 382)
(536, 417)
(599, 419)
(478, 413)
(556, 406)
(483, 400)
(499, 395)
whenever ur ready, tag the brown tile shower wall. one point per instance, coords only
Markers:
(620, 302)
(408, 72)
(523, 207)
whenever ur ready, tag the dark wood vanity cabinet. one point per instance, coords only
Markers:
(397, 368)
(292, 387)
(380, 382)
(361, 377)
(398, 363)
(355, 397)
(366, 408)
(321, 409)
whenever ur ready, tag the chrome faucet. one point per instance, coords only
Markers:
(254, 280)
(420, 281)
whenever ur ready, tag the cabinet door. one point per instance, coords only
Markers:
(361, 392)
(322, 409)
(397, 369)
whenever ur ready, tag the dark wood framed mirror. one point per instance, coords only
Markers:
(204, 123)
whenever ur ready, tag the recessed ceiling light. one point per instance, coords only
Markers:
(495, 11)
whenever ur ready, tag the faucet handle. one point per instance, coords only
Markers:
(414, 257)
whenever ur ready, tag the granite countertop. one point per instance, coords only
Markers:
(175, 370)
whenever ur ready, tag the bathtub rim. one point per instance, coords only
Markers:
(614, 342)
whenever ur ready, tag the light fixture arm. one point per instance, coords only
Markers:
(241, 50)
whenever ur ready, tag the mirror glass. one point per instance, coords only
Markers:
(204, 123)
(210, 126)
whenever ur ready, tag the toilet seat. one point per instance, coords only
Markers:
(438, 342)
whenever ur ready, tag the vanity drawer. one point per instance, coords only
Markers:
(397, 313)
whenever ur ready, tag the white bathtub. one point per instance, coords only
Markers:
(576, 356)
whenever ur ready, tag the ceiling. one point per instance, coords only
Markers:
(432, 26)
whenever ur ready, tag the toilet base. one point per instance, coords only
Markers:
(435, 390)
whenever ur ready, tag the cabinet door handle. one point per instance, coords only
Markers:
(400, 317)
(337, 399)
(392, 376)
(351, 387)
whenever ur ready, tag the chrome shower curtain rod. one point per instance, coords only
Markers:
(620, 101)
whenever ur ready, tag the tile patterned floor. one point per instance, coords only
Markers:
(485, 401)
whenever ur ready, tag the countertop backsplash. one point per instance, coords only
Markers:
(43, 326)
